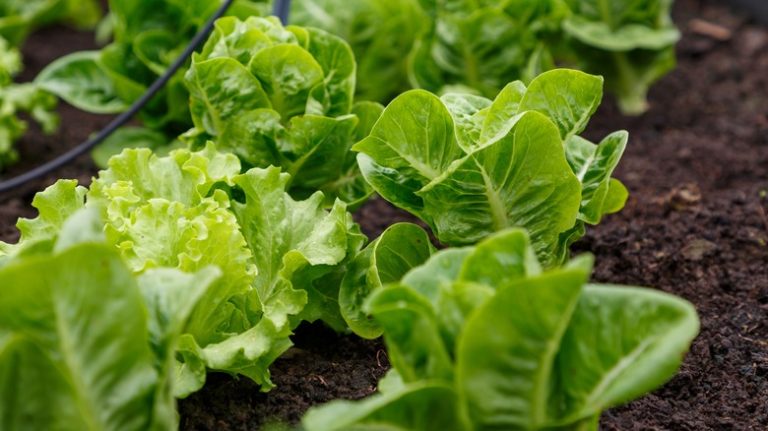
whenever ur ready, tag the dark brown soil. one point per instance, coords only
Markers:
(695, 225)
(321, 366)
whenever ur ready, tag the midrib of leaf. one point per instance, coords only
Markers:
(424, 169)
(473, 76)
(298, 164)
(617, 369)
(585, 168)
(541, 393)
(214, 113)
(498, 211)
(85, 401)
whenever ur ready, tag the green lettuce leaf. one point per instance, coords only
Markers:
(380, 33)
(147, 36)
(282, 260)
(469, 166)
(282, 96)
(477, 47)
(387, 259)
(27, 99)
(630, 42)
(78, 348)
(562, 350)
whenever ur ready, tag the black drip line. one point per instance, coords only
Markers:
(280, 10)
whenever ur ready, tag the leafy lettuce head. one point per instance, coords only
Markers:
(281, 96)
(191, 210)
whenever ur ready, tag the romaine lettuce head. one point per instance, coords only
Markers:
(282, 96)
(85, 342)
(491, 340)
(469, 166)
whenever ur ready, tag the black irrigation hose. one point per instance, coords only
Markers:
(123, 118)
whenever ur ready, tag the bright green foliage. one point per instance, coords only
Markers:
(147, 37)
(630, 42)
(282, 96)
(84, 343)
(387, 259)
(485, 337)
(478, 46)
(282, 260)
(10, 62)
(18, 18)
(469, 166)
(380, 32)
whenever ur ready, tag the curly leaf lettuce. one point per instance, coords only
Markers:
(17, 99)
(282, 259)
(469, 166)
(563, 350)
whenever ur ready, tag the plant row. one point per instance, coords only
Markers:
(444, 47)
(121, 297)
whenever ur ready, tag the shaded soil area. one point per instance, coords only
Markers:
(36, 148)
(695, 225)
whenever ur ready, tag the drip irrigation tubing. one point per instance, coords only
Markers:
(280, 10)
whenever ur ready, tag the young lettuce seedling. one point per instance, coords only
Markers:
(282, 96)
(469, 166)
(482, 338)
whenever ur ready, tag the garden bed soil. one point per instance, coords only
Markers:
(695, 226)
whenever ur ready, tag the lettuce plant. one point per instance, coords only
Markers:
(19, 18)
(469, 166)
(487, 338)
(147, 38)
(629, 42)
(16, 99)
(380, 32)
(282, 260)
(87, 344)
(283, 97)
(480, 46)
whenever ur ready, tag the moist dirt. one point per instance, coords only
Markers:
(695, 225)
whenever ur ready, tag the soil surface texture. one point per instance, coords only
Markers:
(695, 225)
